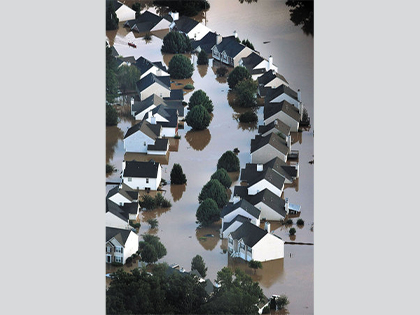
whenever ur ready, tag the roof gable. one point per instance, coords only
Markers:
(151, 79)
(150, 130)
(121, 235)
(290, 110)
(272, 140)
(243, 204)
(249, 233)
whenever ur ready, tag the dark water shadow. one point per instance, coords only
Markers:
(177, 191)
(198, 139)
(113, 134)
(208, 236)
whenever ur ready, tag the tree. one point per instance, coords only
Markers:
(111, 17)
(255, 264)
(282, 301)
(147, 202)
(292, 231)
(208, 212)
(198, 118)
(176, 43)
(223, 177)
(111, 77)
(154, 241)
(153, 223)
(177, 175)
(180, 67)
(148, 254)
(200, 97)
(246, 93)
(202, 59)
(213, 189)
(111, 116)
(302, 13)
(187, 8)
(248, 116)
(229, 161)
(198, 264)
(247, 43)
(221, 71)
(127, 77)
(238, 74)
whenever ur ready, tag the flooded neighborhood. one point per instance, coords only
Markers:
(266, 24)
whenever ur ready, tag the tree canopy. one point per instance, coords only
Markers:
(111, 116)
(180, 67)
(177, 175)
(200, 97)
(246, 93)
(229, 161)
(111, 17)
(213, 189)
(223, 177)
(198, 264)
(127, 77)
(176, 43)
(198, 118)
(151, 249)
(187, 8)
(208, 212)
(202, 59)
(302, 13)
(238, 74)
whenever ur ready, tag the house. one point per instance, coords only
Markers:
(257, 65)
(148, 22)
(284, 93)
(153, 84)
(141, 175)
(283, 111)
(251, 242)
(206, 43)
(120, 244)
(264, 149)
(229, 51)
(239, 211)
(263, 179)
(122, 11)
(122, 194)
(270, 79)
(166, 117)
(190, 27)
(289, 172)
(115, 216)
(146, 66)
(140, 136)
(276, 126)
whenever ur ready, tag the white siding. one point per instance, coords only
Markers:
(168, 132)
(140, 115)
(124, 13)
(231, 229)
(131, 245)
(140, 183)
(268, 213)
(285, 97)
(293, 124)
(198, 32)
(268, 248)
(162, 25)
(119, 199)
(275, 83)
(265, 154)
(137, 142)
(156, 71)
(242, 54)
(113, 221)
(157, 89)
(263, 184)
(230, 216)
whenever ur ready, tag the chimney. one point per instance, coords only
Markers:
(289, 142)
(286, 205)
(301, 110)
(174, 15)
(297, 170)
(235, 33)
(236, 199)
(218, 39)
(123, 165)
(267, 227)
(299, 95)
(132, 101)
(259, 167)
(270, 63)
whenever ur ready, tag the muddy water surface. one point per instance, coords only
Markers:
(198, 152)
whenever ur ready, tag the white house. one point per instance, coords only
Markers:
(140, 136)
(166, 117)
(122, 11)
(270, 79)
(152, 84)
(229, 51)
(122, 194)
(239, 207)
(264, 149)
(141, 175)
(263, 179)
(283, 111)
(251, 242)
(120, 244)
(146, 66)
(257, 65)
(190, 27)
(115, 216)
(276, 126)
(285, 93)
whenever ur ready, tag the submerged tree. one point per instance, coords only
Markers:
(223, 177)
(176, 43)
(200, 97)
(111, 17)
(208, 212)
(180, 67)
(229, 161)
(238, 74)
(177, 175)
(198, 118)
(198, 264)
(213, 189)
(111, 116)
(255, 264)
(302, 13)
(202, 59)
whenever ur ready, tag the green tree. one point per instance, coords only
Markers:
(147, 202)
(200, 97)
(223, 177)
(177, 175)
(255, 264)
(282, 301)
(180, 67)
(292, 231)
(202, 58)
(187, 8)
(148, 254)
(213, 189)
(208, 212)
(111, 116)
(154, 241)
(111, 17)
(153, 223)
(127, 77)
(302, 13)
(176, 43)
(246, 93)
(248, 116)
(247, 43)
(229, 161)
(238, 74)
(111, 85)
(198, 118)
(198, 264)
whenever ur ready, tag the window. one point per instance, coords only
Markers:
(118, 249)
(108, 249)
(144, 143)
(230, 240)
(118, 259)
(242, 246)
(129, 179)
(147, 180)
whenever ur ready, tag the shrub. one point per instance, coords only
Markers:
(200, 97)
(282, 301)
(238, 74)
(229, 161)
(223, 177)
(176, 43)
(177, 175)
(198, 118)
(202, 59)
(221, 71)
(292, 231)
(208, 212)
(246, 93)
(300, 222)
(109, 168)
(213, 189)
(289, 222)
(153, 223)
(180, 67)
(248, 117)
(189, 86)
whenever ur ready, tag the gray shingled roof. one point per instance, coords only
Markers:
(206, 43)
(230, 45)
(249, 233)
(281, 167)
(276, 124)
(270, 75)
(273, 93)
(160, 145)
(253, 177)
(125, 191)
(175, 95)
(185, 24)
(141, 169)
(272, 139)
(121, 235)
(144, 65)
(112, 207)
(230, 207)
(152, 131)
(145, 22)
(150, 79)
(239, 218)
(251, 61)
(290, 110)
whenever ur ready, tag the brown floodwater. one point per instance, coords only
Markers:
(198, 151)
